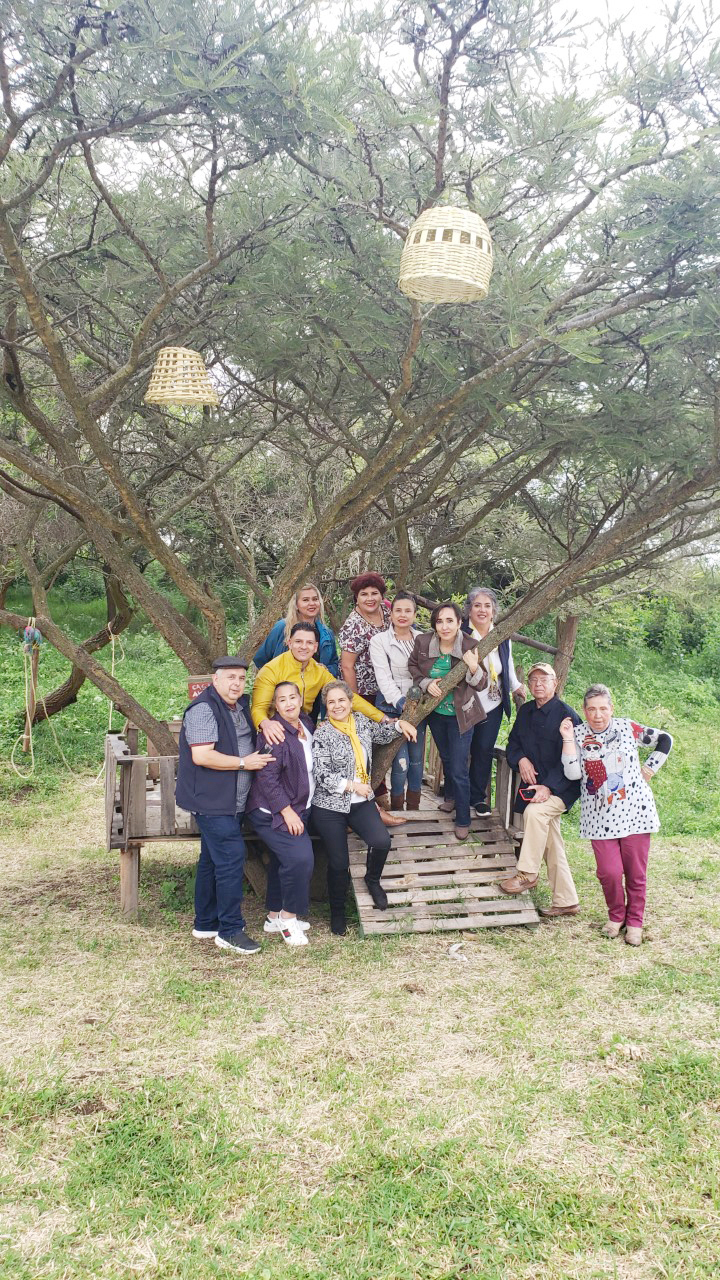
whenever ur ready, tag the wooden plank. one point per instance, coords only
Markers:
(483, 921)
(464, 861)
(464, 893)
(400, 881)
(167, 795)
(135, 810)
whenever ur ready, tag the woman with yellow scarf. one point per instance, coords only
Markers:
(481, 613)
(342, 764)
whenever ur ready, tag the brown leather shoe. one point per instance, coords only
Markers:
(462, 833)
(446, 806)
(551, 913)
(391, 819)
(412, 799)
(519, 883)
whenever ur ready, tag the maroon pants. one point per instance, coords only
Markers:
(624, 858)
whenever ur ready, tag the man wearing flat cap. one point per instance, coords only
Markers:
(217, 760)
(535, 749)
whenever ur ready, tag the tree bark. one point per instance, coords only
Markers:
(566, 630)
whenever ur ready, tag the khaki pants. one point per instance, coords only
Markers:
(543, 839)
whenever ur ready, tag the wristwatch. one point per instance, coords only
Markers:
(242, 763)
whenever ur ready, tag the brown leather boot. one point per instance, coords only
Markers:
(390, 819)
(412, 799)
(397, 802)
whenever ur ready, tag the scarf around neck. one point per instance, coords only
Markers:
(349, 728)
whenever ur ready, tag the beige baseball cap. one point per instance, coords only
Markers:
(542, 666)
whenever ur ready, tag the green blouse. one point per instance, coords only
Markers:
(440, 668)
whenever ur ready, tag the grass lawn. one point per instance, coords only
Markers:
(548, 1108)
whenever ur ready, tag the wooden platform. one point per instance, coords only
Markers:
(434, 882)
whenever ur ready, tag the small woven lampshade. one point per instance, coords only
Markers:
(180, 377)
(447, 257)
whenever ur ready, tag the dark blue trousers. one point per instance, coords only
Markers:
(291, 864)
(219, 875)
(484, 737)
(454, 749)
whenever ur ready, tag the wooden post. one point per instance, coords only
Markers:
(129, 879)
(32, 697)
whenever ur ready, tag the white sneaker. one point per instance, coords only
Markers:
(204, 934)
(292, 933)
(275, 925)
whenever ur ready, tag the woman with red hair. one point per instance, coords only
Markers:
(370, 616)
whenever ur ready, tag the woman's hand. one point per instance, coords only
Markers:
(294, 824)
(434, 688)
(362, 789)
(407, 730)
(647, 774)
(471, 660)
(567, 730)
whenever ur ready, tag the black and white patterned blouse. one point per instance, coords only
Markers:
(615, 799)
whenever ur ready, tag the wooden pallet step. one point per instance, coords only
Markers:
(435, 880)
(464, 893)
(441, 866)
(455, 923)
(443, 849)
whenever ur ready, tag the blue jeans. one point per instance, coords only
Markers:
(484, 737)
(409, 763)
(454, 749)
(291, 864)
(219, 875)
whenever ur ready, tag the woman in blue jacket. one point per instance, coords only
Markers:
(305, 606)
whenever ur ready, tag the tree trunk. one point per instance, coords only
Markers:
(566, 630)
(120, 615)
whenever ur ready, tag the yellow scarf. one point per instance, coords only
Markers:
(349, 728)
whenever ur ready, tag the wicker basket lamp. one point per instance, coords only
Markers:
(180, 377)
(447, 257)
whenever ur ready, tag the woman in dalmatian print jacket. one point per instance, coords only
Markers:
(617, 807)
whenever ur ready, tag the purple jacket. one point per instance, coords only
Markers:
(285, 780)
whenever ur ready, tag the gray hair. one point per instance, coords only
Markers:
(337, 684)
(597, 691)
(482, 591)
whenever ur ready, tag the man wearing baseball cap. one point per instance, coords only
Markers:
(217, 760)
(535, 749)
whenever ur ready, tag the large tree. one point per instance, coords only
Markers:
(237, 179)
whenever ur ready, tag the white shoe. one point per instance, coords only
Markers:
(292, 933)
(275, 925)
(204, 935)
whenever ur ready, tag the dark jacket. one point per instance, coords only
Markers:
(284, 781)
(468, 710)
(536, 734)
(210, 791)
(274, 643)
(504, 652)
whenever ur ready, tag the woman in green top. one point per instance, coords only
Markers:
(453, 720)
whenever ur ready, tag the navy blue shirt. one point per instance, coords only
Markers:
(536, 734)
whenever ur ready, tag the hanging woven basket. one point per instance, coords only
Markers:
(180, 377)
(447, 257)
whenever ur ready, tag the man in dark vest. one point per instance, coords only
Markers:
(217, 759)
